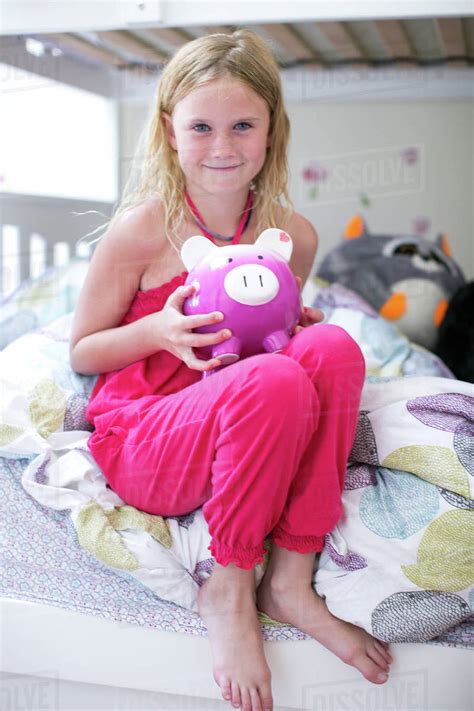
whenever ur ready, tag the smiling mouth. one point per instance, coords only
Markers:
(225, 167)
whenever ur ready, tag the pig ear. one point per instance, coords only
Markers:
(277, 240)
(195, 249)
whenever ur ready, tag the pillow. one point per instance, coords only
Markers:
(387, 351)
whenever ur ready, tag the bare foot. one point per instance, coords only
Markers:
(299, 605)
(240, 667)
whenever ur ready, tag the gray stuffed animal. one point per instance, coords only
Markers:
(408, 279)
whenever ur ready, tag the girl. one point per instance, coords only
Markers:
(261, 445)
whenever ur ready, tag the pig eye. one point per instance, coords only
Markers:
(260, 256)
(229, 259)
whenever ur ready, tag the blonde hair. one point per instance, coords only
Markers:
(156, 173)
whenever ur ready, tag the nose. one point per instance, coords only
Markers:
(222, 145)
(251, 284)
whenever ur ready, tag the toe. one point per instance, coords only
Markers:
(235, 695)
(226, 689)
(383, 649)
(371, 670)
(266, 699)
(246, 699)
(378, 658)
(256, 701)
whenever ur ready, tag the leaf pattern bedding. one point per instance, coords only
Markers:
(399, 562)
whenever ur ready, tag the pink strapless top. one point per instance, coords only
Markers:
(160, 374)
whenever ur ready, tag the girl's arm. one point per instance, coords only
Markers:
(305, 241)
(122, 255)
(98, 343)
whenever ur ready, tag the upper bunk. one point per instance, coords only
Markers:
(113, 48)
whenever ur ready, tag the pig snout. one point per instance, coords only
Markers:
(251, 284)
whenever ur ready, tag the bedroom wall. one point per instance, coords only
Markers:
(407, 167)
(56, 139)
(406, 164)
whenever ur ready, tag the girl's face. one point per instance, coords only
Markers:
(220, 132)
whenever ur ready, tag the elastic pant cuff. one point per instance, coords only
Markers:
(245, 558)
(300, 544)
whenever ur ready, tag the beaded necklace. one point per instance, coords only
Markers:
(210, 234)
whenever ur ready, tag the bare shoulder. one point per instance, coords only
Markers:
(133, 241)
(140, 229)
(303, 233)
(130, 244)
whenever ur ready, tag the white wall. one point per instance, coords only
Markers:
(358, 128)
(362, 147)
(56, 140)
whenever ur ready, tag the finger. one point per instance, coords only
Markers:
(299, 281)
(203, 320)
(213, 363)
(298, 328)
(202, 365)
(312, 315)
(318, 315)
(179, 295)
(199, 340)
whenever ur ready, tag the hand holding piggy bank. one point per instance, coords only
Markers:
(254, 288)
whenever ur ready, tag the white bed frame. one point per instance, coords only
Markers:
(122, 666)
(39, 232)
(55, 659)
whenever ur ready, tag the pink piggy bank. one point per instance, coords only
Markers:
(252, 285)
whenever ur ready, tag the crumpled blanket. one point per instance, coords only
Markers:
(407, 502)
(170, 556)
(400, 562)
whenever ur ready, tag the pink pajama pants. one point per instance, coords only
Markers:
(262, 445)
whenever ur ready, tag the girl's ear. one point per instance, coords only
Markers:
(169, 129)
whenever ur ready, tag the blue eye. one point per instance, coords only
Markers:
(243, 123)
(198, 126)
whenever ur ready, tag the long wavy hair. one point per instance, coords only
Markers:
(155, 170)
